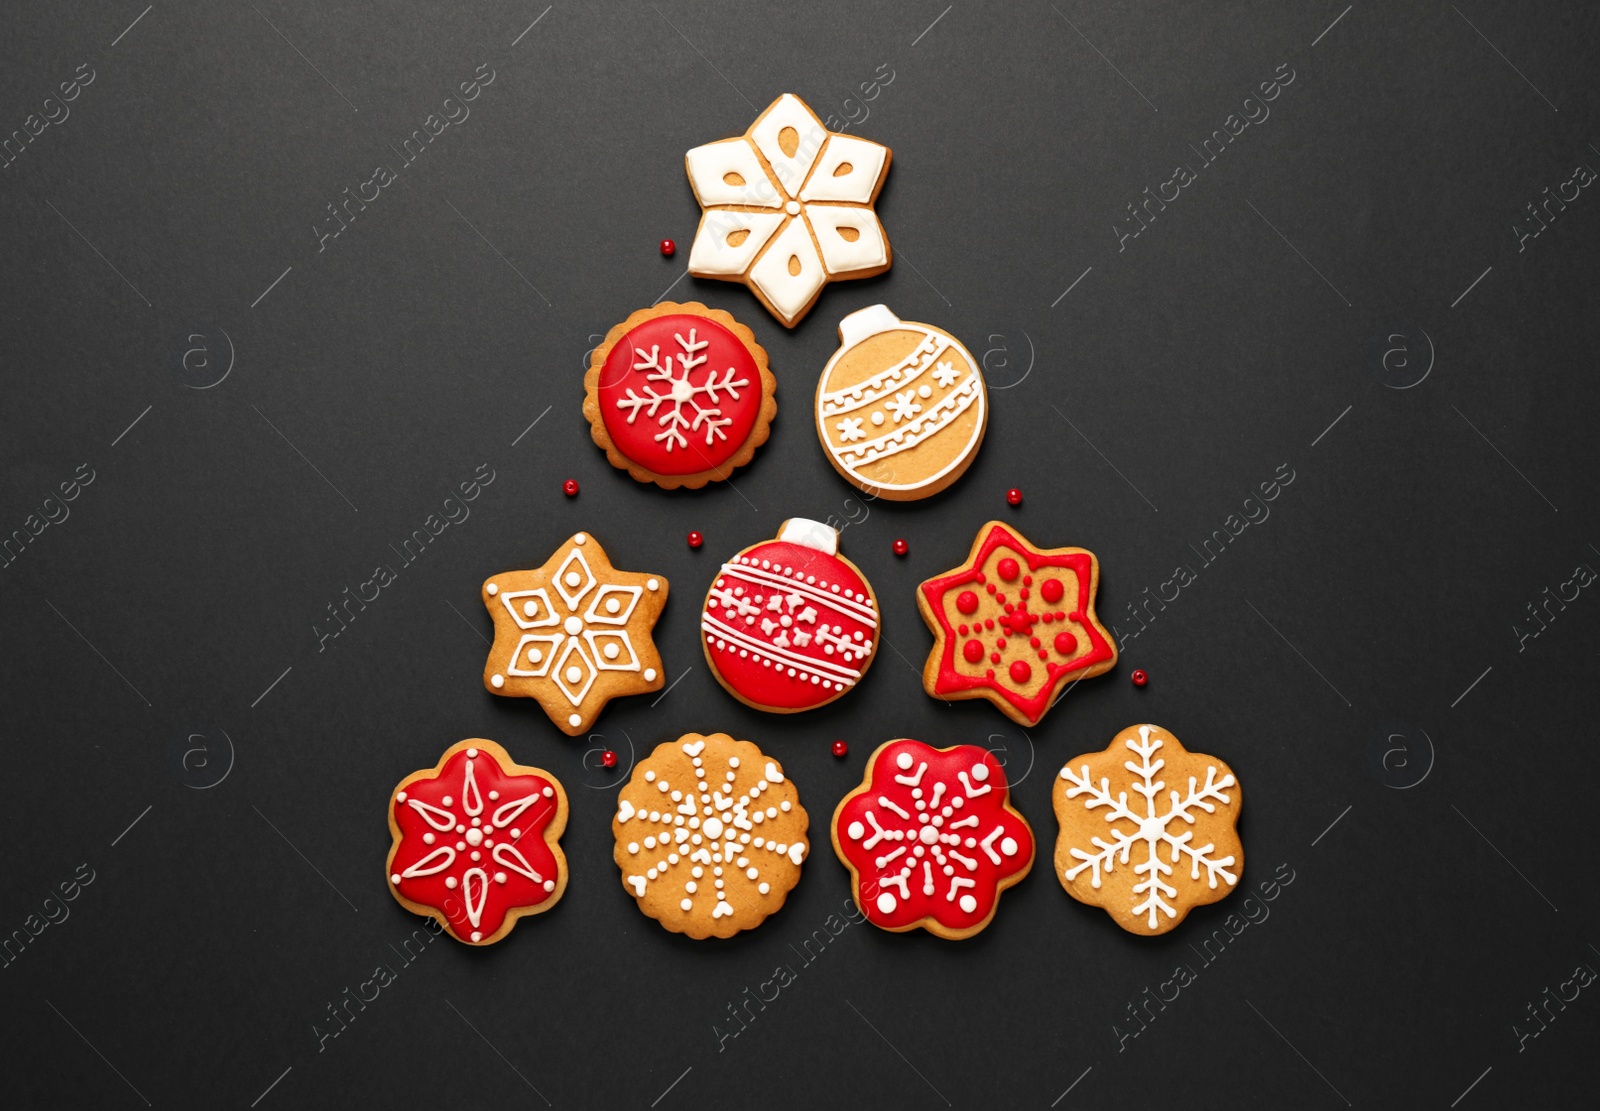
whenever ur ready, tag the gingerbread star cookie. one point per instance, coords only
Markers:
(679, 395)
(710, 835)
(475, 842)
(574, 634)
(1015, 624)
(1148, 829)
(931, 838)
(788, 208)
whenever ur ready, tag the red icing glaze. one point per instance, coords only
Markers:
(1021, 672)
(723, 359)
(894, 894)
(801, 581)
(1031, 695)
(570, 487)
(695, 540)
(973, 651)
(967, 602)
(668, 248)
(840, 748)
(1008, 569)
(1014, 496)
(500, 851)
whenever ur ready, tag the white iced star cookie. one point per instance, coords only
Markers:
(1148, 829)
(788, 208)
(901, 407)
(710, 835)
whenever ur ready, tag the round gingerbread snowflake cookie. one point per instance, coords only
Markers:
(931, 839)
(475, 842)
(679, 395)
(901, 407)
(1148, 829)
(790, 624)
(710, 835)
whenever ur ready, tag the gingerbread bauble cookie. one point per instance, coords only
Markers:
(790, 624)
(901, 407)
(710, 835)
(1015, 624)
(679, 395)
(1148, 829)
(931, 839)
(574, 634)
(788, 208)
(475, 842)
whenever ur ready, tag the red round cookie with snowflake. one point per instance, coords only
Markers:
(679, 395)
(931, 839)
(790, 624)
(476, 842)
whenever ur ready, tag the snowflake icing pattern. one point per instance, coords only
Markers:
(1151, 830)
(682, 393)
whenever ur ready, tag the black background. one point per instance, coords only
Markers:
(1137, 412)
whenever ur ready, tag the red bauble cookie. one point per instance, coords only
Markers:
(790, 624)
(931, 839)
(476, 842)
(679, 395)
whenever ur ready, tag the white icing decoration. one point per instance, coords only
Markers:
(855, 186)
(788, 292)
(1150, 829)
(840, 255)
(810, 534)
(789, 111)
(710, 165)
(712, 256)
(681, 395)
(497, 681)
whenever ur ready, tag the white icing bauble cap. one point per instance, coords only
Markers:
(867, 322)
(809, 533)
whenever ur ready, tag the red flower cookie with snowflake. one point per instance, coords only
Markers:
(1148, 829)
(679, 395)
(790, 624)
(1015, 624)
(931, 839)
(475, 842)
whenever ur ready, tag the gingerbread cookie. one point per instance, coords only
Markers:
(475, 842)
(901, 406)
(788, 208)
(931, 839)
(573, 634)
(679, 395)
(710, 835)
(1015, 624)
(1119, 853)
(790, 624)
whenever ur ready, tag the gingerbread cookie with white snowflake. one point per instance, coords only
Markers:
(710, 835)
(901, 407)
(679, 395)
(1148, 830)
(788, 208)
(790, 624)
(475, 842)
(1015, 624)
(931, 838)
(574, 634)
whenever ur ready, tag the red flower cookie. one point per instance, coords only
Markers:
(1015, 624)
(475, 842)
(790, 624)
(679, 395)
(931, 839)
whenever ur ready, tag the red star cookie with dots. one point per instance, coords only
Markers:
(1015, 624)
